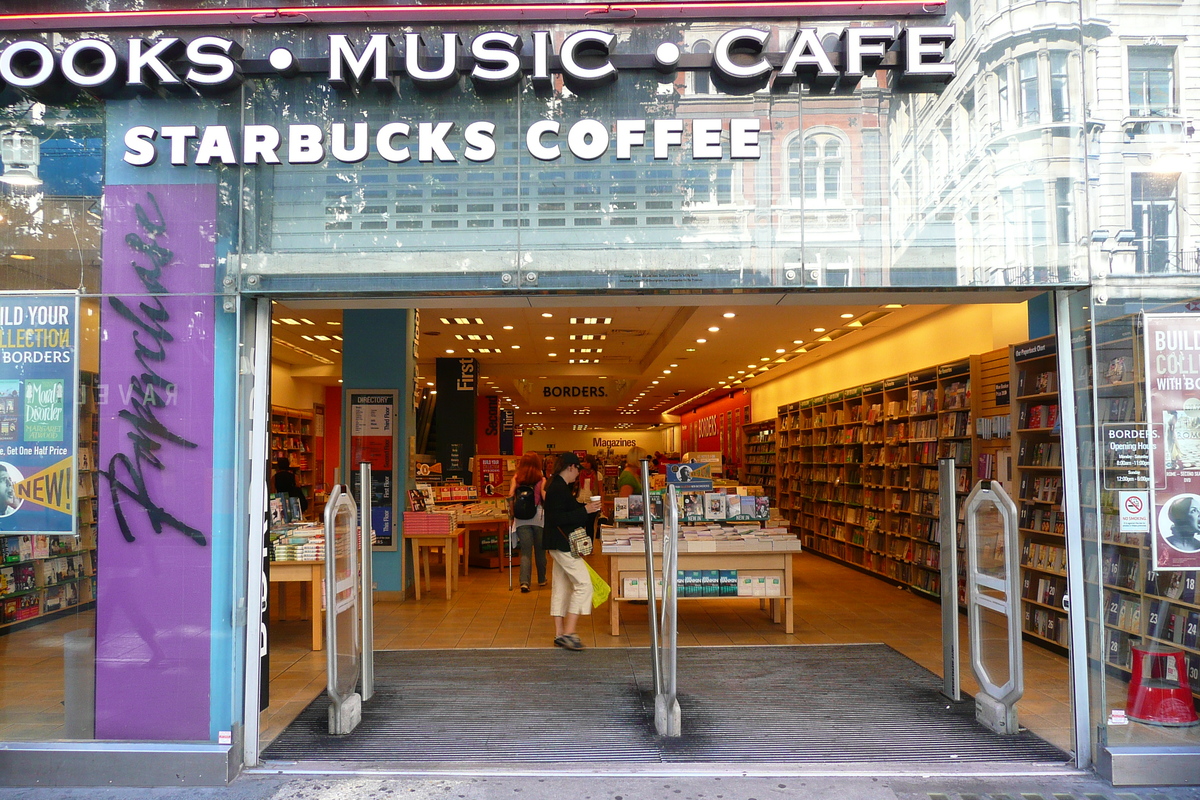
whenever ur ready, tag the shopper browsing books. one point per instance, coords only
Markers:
(527, 492)
(285, 482)
(629, 482)
(571, 591)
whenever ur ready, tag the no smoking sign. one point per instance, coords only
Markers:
(1135, 512)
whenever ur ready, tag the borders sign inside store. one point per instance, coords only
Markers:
(1173, 414)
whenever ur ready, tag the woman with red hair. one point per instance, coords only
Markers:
(529, 478)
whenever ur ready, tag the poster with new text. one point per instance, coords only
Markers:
(1173, 413)
(39, 373)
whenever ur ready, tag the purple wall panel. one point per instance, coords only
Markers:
(153, 609)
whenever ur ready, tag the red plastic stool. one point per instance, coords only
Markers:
(1158, 691)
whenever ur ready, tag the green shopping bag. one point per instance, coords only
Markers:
(600, 588)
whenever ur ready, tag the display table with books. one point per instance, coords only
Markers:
(731, 563)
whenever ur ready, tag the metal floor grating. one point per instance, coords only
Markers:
(799, 704)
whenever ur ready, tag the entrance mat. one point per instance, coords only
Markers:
(785, 704)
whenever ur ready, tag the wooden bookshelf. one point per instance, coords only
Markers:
(1038, 481)
(858, 469)
(760, 455)
(43, 575)
(292, 436)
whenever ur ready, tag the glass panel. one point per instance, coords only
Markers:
(993, 646)
(991, 543)
(1132, 606)
(850, 188)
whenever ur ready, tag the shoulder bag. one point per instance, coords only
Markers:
(581, 542)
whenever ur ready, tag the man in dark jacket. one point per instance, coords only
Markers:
(571, 589)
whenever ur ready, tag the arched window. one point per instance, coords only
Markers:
(817, 169)
(702, 83)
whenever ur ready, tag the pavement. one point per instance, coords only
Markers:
(809, 784)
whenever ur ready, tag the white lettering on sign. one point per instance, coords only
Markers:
(585, 60)
(545, 140)
(466, 375)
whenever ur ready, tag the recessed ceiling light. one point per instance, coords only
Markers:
(552, 355)
(780, 350)
(508, 327)
(713, 329)
(729, 315)
(516, 347)
(893, 305)
(288, 321)
(719, 383)
(429, 383)
(847, 316)
(451, 352)
(701, 341)
(797, 341)
(549, 338)
(690, 350)
(818, 330)
(547, 314)
(750, 366)
(666, 372)
(741, 372)
(673, 365)
(654, 382)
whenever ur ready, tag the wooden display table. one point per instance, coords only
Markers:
(421, 544)
(312, 573)
(474, 529)
(753, 560)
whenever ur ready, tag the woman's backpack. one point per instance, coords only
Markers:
(524, 502)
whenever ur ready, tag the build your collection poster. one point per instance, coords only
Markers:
(1173, 411)
(38, 375)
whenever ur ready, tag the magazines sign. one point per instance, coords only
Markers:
(38, 376)
(1173, 412)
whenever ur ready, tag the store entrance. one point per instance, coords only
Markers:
(822, 423)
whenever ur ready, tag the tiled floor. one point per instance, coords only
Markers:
(834, 604)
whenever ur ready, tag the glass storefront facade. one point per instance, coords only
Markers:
(668, 155)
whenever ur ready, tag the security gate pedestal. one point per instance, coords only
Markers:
(993, 578)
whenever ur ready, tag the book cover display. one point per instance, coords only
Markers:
(38, 442)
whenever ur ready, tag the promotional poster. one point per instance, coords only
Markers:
(38, 376)
(1173, 411)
